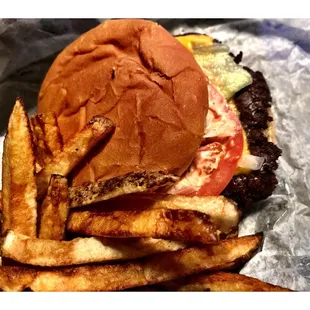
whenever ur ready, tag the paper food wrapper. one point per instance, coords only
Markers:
(280, 49)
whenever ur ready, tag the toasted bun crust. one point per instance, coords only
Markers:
(149, 84)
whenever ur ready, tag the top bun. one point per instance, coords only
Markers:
(137, 74)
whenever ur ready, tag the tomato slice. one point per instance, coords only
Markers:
(217, 159)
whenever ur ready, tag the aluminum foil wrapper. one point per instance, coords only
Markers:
(280, 49)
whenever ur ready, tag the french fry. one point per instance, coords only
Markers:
(151, 270)
(47, 138)
(16, 279)
(51, 253)
(185, 225)
(40, 148)
(19, 189)
(0, 217)
(223, 212)
(55, 210)
(134, 182)
(221, 282)
(51, 131)
(1, 201)
(74, 151)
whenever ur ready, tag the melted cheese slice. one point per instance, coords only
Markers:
(192, 40)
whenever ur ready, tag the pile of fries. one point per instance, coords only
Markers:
(118, 234)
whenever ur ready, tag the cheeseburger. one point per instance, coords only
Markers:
(183, 105)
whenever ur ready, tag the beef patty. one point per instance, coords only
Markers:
(253, 103)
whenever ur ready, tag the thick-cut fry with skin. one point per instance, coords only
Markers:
(51, 131)
(55, 210)
(19, 189)
(150, 270)
(51, 253)
(185, 225)
(74, 151)
(222, 211)
(221, 282)
(133, 182)
(47, 138)
(0, 201)
(41, 152)
(16, 279)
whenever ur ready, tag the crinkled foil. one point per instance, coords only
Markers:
(278, 48)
